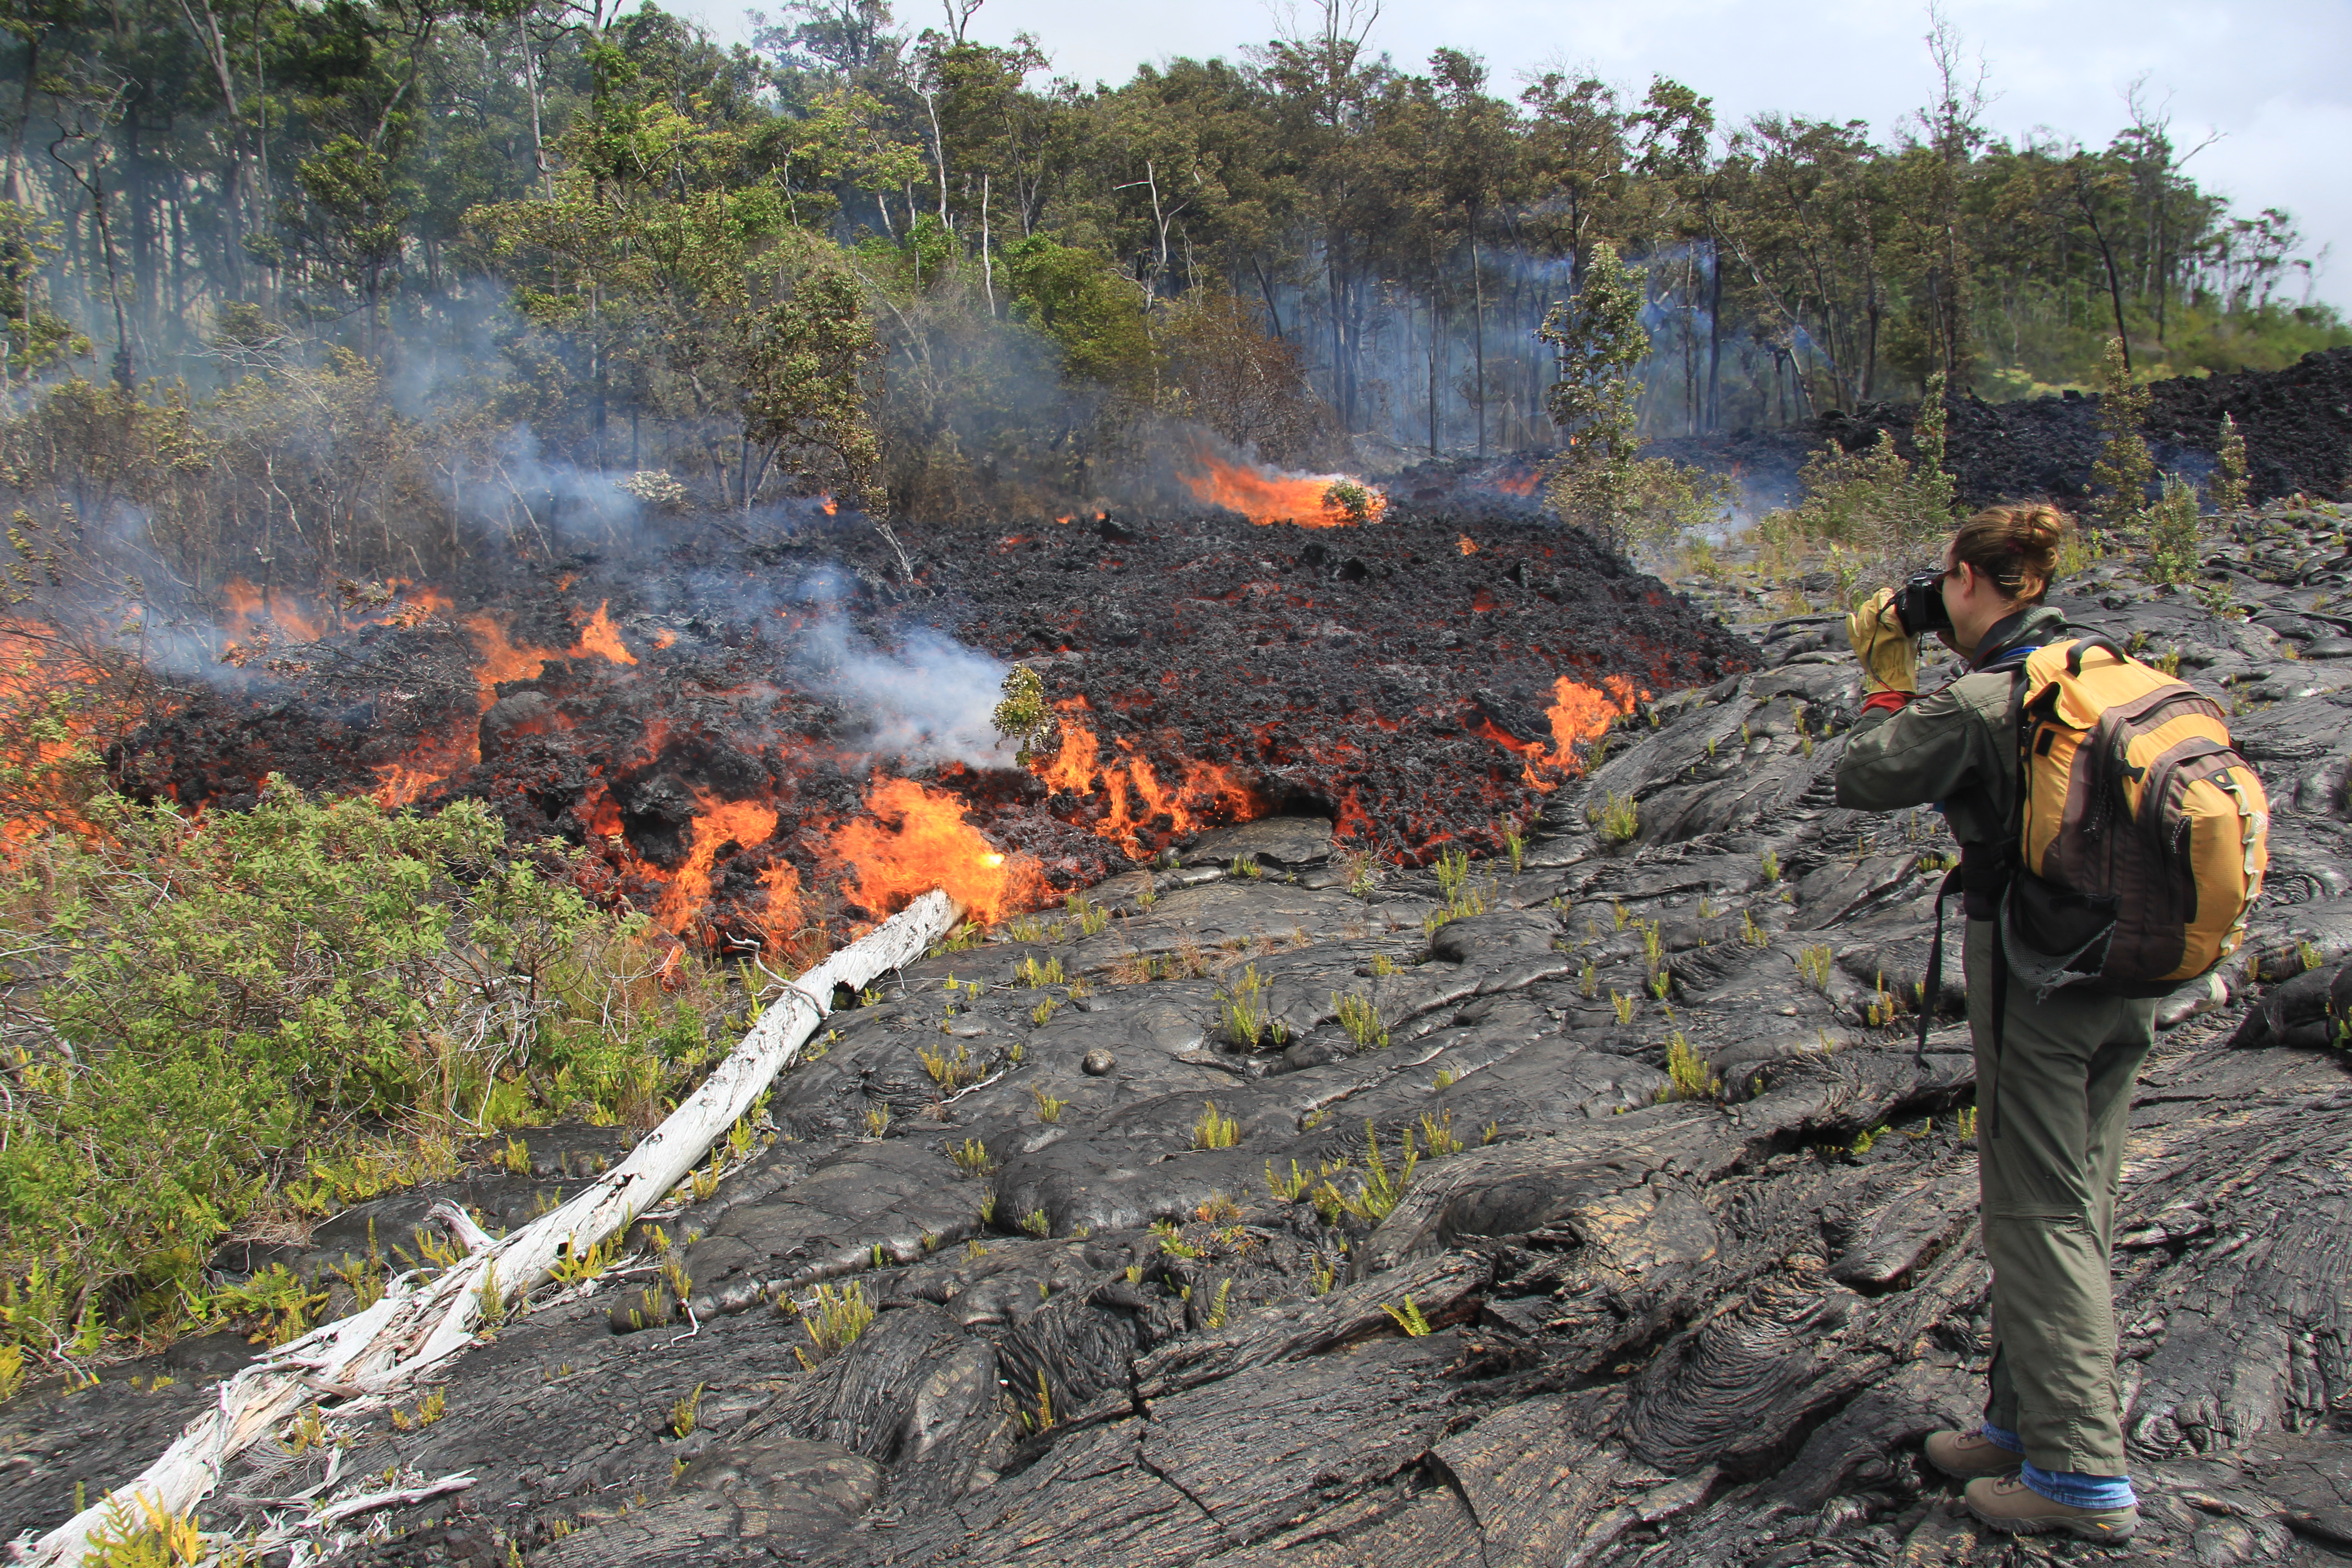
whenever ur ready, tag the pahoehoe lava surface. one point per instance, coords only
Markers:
(1659, 1330)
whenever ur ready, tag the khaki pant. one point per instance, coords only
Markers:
(2048, 1167)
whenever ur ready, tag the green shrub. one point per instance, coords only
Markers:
(1615, 817)
(2175, 533)
(292, 1008)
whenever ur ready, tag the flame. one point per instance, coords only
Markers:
(432, 762)
(1469, 545)
(249, 607)
(917, 839)
(1141, 814)
(38, 682)
(501, 659)
(831, 507)
(1518, 484)
(504, 660)
(598, 637)
(1578, 713)
(717, 824)
(1266, 495)
(665, 638)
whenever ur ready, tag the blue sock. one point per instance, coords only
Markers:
(2000, 1438)
(2077, 1491)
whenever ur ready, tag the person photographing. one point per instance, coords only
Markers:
(2111, 845)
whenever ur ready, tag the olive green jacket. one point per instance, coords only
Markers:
(1956, 747)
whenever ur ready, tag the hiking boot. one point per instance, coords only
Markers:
(2009, 1504)
(1966, 1456)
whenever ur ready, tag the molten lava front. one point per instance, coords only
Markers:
(685, 723)
(1265, 495)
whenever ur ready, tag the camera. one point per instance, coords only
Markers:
(1919, 605)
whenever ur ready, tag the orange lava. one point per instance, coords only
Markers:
(717, 824)
(1206, 795)
(251, 611)
(431, 763)
(598, 637)
(1266, 495)
(665, 638)
(1578, 712)
(501, 659)
(54, 705)
(917, 839)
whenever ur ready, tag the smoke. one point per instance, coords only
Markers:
(927, 700)
(517, 490)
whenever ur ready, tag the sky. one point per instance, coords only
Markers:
(2267, 76)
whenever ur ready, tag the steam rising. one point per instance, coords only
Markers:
(929, 700)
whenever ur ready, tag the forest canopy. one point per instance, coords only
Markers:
(928, 274)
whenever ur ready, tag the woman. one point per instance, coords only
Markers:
(2054, 1077)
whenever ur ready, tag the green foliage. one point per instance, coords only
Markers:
(1689, 1074)
(1033, 974)
(1616, 817)
(2125, 468)
(972, 1157)
(238, 1002)
(1091, 311)
(2226, 487)
(1408, 1317)
(1437, 1133)
(1361, 1019)
(835, 1320)
(1348, 501)
(1600, 483)
(1376, 1195)
(1242, 1006)
(1215, 1130)
(1875, 510)
(2175, 533)
(1814, 964)
(1219, 1303)
(952, 1073)
(1024, 716)
(686, 1410)
(1049, 1109)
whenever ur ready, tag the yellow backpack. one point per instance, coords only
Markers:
(2143, 835)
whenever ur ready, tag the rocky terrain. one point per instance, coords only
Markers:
(1275, 1205)
(2296, 422)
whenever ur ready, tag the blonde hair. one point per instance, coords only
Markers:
(2016, 546)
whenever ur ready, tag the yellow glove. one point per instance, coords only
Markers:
(1890, 659)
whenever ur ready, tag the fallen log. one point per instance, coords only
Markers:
(378, 1351)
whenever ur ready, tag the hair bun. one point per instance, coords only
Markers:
(2015, 545)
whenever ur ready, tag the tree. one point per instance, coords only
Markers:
(2125, 468)
(1601, 482)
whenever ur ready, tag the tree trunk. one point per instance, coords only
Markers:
(382, 1350)
(1479, 327)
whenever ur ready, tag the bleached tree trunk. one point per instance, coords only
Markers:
(382, 1350)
